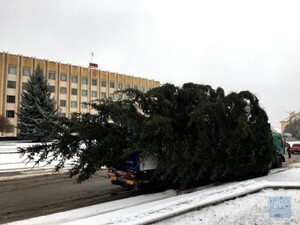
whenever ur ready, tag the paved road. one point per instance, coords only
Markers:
(23, 195)
(294, 161)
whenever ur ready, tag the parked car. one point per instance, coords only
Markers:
(295, 148)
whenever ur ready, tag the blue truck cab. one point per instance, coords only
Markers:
(135, 173)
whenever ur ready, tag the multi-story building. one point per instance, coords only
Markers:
(71, 86)
(293, 115)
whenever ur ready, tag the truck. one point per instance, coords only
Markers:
(136, 172)
(280, 147)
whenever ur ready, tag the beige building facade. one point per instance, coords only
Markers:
(293, 115)
(71, 86)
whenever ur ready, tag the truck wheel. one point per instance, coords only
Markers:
(136, 186)
(278, 161)
(114, 182)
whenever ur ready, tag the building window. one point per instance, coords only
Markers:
(12, 69)
(74, 91)
(63, 90)
(112, 85)
(52, 89)
(63, 103)
(143, 89)
(24, 85)
(62, 114)
(51, 76)
(94, 82)
(73, 104)
(120, 86)
(11, 99)
(84, 92)
(11, 84)
(74, 79)
(112, 96)
(103, 95)
(119, 96)
(94, 94)
(127, 86)
(135, 87)
(63, 77)
(84, 80)
(26, 71)
(84, 105)
(103, 83)
(10, 114)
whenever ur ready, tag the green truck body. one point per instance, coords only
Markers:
(280, 147)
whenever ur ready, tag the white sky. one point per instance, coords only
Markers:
(234, 44)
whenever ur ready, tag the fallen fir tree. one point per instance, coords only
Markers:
(197, 134)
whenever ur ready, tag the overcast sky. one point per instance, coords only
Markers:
(234, 44)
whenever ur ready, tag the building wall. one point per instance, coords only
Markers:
(284, 123)
(72, 86)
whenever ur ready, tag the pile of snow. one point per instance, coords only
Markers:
(276, 129)
(196, 207)
(11, 160)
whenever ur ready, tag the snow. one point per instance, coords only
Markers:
(246, 202)
(11, 160)
(291, 143)
(277, 129)
(250, 209)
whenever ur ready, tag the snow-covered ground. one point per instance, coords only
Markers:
(273, 199)
(11, 160)
(250, 209)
